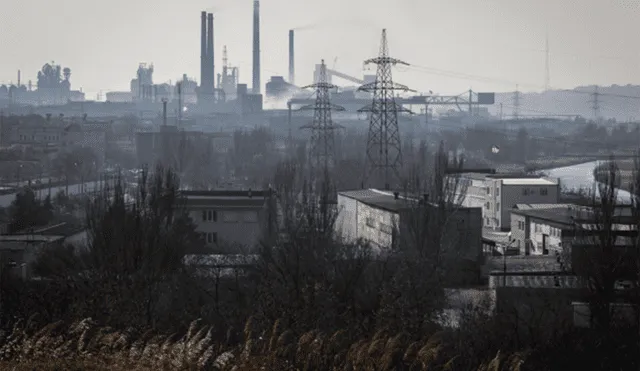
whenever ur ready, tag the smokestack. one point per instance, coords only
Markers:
(210, 73)
(292, 74)
(256, 46)
(18, 78)
(203, 51)
(210, 54)
(164, 112)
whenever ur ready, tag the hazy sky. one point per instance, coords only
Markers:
(488, 45)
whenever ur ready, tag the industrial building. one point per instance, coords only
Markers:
(497, 194)
(381, 218)
(227, 218)
(53, 88)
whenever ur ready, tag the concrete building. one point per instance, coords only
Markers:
(382, 217)
(553, 230)
(228, 218)
(497, 194)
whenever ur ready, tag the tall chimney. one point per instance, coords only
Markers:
(203, 51)
(210, 73)
(256, 46)
(292, 73)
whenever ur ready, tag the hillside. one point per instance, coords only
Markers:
(615, 102)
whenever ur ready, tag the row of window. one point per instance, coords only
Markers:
(230, 216)
(555, 232)
(497, 191)
(385, 228)
(488, 206)
(532, 191)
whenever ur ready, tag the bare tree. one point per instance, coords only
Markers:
(135, 247)
(425, 250)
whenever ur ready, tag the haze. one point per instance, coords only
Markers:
(501, 42)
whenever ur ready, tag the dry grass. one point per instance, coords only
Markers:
(84, 345)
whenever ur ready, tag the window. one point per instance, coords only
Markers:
(370, 222)
(498, 206)
(525, 191)
(486, 206)
(230, 217)
(497, 191)
(488, 191)
(385, 228)
(251, 216)
(544, 191)
(209, 216)
(212, 237)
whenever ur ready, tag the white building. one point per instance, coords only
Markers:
(227, 217)
(497, 194)
(378, 217)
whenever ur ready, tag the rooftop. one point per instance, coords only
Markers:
(541, 206)
(384, 200)
(529, 181)
(567, 213)
(226, 198)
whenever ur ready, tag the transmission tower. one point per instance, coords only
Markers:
(516, 103)
(384, 155)
(322, 127)
(595, 103)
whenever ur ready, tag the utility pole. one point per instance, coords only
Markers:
(321, 154)
(384, 154)
(516, 104)
(595, 103)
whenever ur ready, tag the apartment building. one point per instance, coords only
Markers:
(227, 218)
(381, 218)
(497, 194)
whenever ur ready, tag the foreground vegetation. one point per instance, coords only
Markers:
(84, 345)
(126, 301)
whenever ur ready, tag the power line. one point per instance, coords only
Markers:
(465, 76)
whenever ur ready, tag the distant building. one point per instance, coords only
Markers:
(227, 217)
(497, 194)
(54, 134)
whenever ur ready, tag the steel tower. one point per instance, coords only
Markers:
(322, 127)
(384, 155)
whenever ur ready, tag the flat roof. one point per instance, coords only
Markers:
(542, 206)
(379, 199)
(528, 181)
(568, 215)
(385, 200)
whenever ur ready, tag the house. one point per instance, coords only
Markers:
(382, 218)
(497, 194)
(227, 217)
